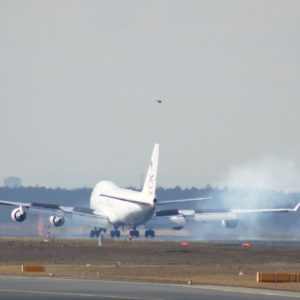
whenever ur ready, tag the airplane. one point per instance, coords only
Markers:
(113, 206)
(109, 205)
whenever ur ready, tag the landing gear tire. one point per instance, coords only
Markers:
(134, 233)
(149, 233)
(115, 233)
(95, 233)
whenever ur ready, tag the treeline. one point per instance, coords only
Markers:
(74, 197)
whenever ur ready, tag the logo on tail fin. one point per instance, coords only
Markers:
(150, 184)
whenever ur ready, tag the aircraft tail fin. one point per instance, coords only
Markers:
(150, 180)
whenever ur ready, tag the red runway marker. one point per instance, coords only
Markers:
(246, 245)
(185, 243)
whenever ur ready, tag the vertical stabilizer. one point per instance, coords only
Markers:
(150, 181)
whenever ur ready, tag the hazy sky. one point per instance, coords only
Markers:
(78, 81)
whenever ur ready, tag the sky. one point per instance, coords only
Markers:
(79, 80)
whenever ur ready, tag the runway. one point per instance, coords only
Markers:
(51, 288)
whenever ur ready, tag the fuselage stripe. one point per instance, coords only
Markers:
(124, 199)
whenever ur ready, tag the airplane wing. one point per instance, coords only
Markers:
(266, 210)
(12, 203)
(166, 219)
(168, 202)
(178, 218)
(58, 214)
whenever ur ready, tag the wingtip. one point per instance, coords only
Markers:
(296, 208)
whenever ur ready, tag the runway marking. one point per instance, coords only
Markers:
(227, 289)
(249, 291)
(75, 294)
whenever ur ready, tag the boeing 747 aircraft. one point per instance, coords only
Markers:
(112, 206)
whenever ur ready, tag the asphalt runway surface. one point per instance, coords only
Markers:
(51, 288)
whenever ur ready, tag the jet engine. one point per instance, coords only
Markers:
(230, 223)
(18, 214)
(57, 221)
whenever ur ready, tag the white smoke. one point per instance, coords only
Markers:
(263, 183)
(265, 174)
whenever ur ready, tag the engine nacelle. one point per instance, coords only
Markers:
(230, 223)
(57, 221)
(18, 214)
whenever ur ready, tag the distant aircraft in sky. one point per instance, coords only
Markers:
(158, 101)
(112, 206)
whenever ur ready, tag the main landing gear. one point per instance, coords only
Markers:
(134, 233)
(115, 233)
(95, 233)
(150, 233)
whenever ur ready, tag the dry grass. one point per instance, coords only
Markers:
(203, 263)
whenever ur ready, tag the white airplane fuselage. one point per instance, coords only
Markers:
(121, 206)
